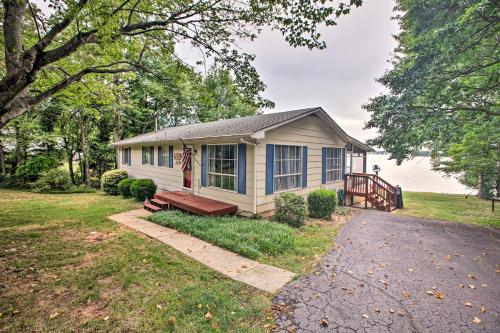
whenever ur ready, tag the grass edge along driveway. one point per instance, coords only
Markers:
(449, 207)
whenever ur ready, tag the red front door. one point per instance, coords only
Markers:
(187, 173)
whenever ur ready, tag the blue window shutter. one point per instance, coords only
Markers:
(242, 168)
(143, 155)
(159, 156)
(323, 165)
(152, 153)
(203, 165)
(269, 168)
(129, 156)
(170, 156)
(343, 162)
(304, 166)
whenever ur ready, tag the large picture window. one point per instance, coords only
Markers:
(287, 167)
(223, 166)
(334, 164)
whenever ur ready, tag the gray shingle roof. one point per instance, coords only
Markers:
(244, 126)
(225, 127)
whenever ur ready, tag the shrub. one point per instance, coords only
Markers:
(290, 209)
(124, 187)
(53, 180)
(321, 203)
(142, 188)
(34, 167)
(110, 180)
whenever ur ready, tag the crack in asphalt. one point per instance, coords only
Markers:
(409, 254)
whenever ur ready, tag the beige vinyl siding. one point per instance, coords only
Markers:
(170, 179)
(309, 131)
(165, 178)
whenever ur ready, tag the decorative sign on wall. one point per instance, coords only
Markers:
(178, 158)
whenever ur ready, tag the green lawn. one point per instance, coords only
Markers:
(64, 267)
(249, 237)
(450, 207)
(61, 257)
(266, 241)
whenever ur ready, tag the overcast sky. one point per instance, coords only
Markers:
(341, 77)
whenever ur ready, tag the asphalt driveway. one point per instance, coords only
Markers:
(399, 274)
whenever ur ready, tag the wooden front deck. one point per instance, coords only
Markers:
(195, 204)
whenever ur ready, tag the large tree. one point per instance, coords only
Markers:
(443, 88)
(44, 55)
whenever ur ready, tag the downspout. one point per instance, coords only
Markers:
(254, 174)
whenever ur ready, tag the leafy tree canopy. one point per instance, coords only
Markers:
(443, 87)
(46, 54)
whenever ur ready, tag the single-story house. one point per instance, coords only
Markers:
(246, 161)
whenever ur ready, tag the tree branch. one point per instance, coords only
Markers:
(75, 78)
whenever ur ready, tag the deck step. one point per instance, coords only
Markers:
(196, 204)
(159, 203)
(151, 208)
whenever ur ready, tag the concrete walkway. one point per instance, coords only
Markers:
(232, 265)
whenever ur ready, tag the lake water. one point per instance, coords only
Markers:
(414, 175)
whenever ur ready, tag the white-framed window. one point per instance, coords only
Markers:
(163, 156)
(126, 156)
(223, 166)
(148, 155)
(287, 167)
(333, 164)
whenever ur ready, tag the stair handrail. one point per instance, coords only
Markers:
(377, 178)
(388, 191)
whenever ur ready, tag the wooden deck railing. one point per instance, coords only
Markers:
(378, 192)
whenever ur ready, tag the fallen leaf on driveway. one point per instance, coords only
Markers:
(468, 304)
(391, 310)
(439, 294)
(461, 285)
(370, 272)
(483, 309)
(448, 257)
(476, 320)
(471, 276)
(471, 286)
(366, 316)
(323, 322)
(410, 269)
(429, 292)
(377, 310)
(484, 285)
(406, 294)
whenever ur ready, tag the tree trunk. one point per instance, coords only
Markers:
(2, 160)
(480, 184)
(18, 153)
(85, 151)
(70, 168)
(117, 130)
